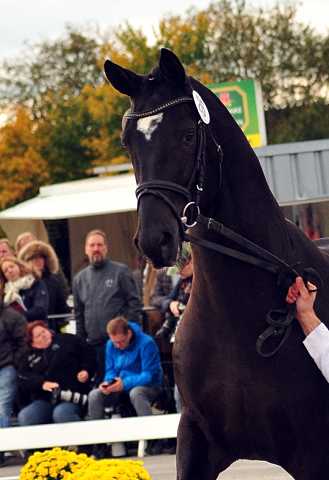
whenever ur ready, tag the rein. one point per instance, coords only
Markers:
(280, 321)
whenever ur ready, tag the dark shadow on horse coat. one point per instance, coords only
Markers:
(236, 404)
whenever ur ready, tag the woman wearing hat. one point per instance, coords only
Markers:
(42, 256)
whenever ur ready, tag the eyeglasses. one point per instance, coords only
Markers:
(119, 343)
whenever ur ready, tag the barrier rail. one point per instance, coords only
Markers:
(91, 432)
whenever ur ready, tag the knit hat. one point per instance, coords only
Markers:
(183, 260)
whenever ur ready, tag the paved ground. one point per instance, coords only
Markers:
(162, 467)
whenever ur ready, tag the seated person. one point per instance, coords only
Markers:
(132, 365)
(12, 329)
(57, 370)
(175, 303)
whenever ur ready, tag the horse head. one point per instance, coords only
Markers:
(162, 134)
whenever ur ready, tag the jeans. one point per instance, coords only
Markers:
(41, 411)
(8, 387)
(140, 397)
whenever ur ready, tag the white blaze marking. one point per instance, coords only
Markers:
(147, 125)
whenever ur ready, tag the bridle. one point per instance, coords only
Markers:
(280, 321)
(155, 187)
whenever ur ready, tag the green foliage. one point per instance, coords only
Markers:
(189, 38)
(66, 64)
(296, 124)
(65, 124)
(133, 45)
(70, 119)
(232, 41)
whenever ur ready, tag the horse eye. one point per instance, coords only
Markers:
(188, 137)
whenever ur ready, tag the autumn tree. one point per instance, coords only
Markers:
(69, 63)
(285, 55)
(22, 168)
(106, 108)
(130, 49)
(190, 39)
(233, 41)
(70, 119)
(306, 122)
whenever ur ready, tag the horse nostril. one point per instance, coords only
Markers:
(166, 239)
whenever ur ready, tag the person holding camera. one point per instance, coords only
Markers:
(175, 303)
(56, 370)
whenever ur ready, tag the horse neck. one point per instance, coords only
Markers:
(244, 202)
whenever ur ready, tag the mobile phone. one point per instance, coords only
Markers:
(106, 384)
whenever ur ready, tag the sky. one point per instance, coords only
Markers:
(34, 21)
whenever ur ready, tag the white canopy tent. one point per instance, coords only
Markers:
(81, 198)
(108, 203)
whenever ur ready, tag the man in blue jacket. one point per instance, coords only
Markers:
(132, 366)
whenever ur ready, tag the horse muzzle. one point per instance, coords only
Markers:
(158, 236)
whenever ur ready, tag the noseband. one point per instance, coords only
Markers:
(279, 320)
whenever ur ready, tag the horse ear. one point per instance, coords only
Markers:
(171, 67)
(121, 79)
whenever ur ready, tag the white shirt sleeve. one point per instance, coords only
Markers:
(317, 344)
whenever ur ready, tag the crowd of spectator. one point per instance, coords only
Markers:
(48, 375)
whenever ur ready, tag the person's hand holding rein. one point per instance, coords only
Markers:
(304, 298)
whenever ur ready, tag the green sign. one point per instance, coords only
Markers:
(244, 102)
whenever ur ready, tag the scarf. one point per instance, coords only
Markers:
(12, 289)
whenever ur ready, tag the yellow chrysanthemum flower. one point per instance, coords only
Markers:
(58, 464)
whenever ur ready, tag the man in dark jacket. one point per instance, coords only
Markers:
(103, 290)
(12, 329)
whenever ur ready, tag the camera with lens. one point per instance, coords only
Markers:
(68, 396)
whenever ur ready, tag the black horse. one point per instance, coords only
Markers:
(239, 401)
